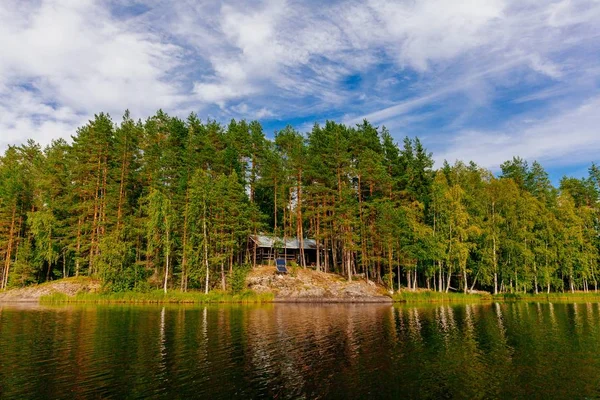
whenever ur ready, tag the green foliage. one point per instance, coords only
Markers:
(428, 296)
(388, 280)
(292, 268)
(24, 271)
(237, 280)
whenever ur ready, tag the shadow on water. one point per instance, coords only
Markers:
(509, 350)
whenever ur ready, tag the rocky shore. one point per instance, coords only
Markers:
(308, 285)
(68, 286)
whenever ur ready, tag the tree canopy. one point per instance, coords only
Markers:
(168, 203)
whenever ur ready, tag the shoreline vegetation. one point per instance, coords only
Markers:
(428, 296)
(159, 297)
(87, 291)
(250, 297)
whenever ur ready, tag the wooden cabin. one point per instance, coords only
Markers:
(269, 248)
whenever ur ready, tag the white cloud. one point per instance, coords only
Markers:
(220, 93)
(566, 13)
(432, 30)
(264, 113)
(568, 137)
(74, 56)
(83, 57)
(24, 116)
(243, 110)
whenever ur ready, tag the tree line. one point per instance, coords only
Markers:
(170, 203)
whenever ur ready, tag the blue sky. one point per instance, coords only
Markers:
(480, 80)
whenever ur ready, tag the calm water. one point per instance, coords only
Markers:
(301, 351)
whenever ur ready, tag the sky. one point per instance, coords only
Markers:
(480, 80)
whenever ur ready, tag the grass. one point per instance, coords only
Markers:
(158, 296)
(553, 296)
(429, 296)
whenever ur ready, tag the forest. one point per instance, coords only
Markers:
(170, 203)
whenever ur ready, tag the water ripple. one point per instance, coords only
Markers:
(301, 351)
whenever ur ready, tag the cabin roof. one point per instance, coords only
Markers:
(290, 243)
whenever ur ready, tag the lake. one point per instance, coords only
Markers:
(345, 351)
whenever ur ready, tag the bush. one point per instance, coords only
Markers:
(237, 279)
(388, 280)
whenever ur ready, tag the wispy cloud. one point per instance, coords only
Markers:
(64, 60)
(452, 72)
(567, 137)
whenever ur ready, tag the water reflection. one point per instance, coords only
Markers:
(301, 351)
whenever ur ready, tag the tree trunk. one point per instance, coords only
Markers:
(415, 281)
(124, 167)
(48, 271)
(571, 285)
(252, 172)
(495, 267)
(318, 240)
(535, 281)
(495, 260)
(167, 261)
(299, 228)
(223, 287)
(440, 277)
(184, 244)
(349, 264)
(205, 248)
(474, 281)
(8, 256)
(78, 248)
(363, 245)
(275, 208)
(94, 222)
(390, 266)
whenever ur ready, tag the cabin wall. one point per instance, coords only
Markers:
(266, 255)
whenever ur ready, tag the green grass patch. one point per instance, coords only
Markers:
(553, 296)
(429, 296)
(158, 296)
